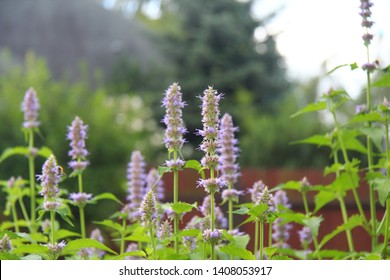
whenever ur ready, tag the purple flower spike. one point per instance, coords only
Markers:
(367, 23)
(228, 151)
(210, 120)
(173, 118)
(5, 244)
(136, 181)
(212, 184)
(256, 190)
(30, 107)
(50, 178)
(212, 236)
(305, 236)
(77, 133)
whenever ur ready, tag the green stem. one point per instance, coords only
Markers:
(81, 209)
(387, 224)
(345, 220)
(212, 214)
(307, 211)
(153, 242)
(230, 210)
(269, 235)
(15, 217)
(24, 211)
(175, 201)
(122, 247)
(256, 245)
(261, 240)
(52, 219)
(346, 160)
(31, 168)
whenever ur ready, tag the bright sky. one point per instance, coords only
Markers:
(313, 31)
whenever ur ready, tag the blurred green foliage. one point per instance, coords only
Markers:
(117, 125)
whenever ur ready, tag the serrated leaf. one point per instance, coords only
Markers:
(313, 107)
(290, 185)
(64, 213)
(108, 196)
(257, 210)
(270, 251)
(110, 224)
(375, 133)
(235, 251)
(30, 249)
(346, 181)
(352, 143)
(367, 117)
(291, 217)
(313, 223)
(382, 186)
(194, 164)
(63, 233)
(323, 198)
(353, 222)
(139, 235)
(183, 207)
(319, 140)
(76, 245)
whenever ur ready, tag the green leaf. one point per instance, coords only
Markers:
(383, 81)
(346, 181)
(76, 245)
(353, 222)
(45, 152)
(313, 223)
(63, 233)
(242, 241)
(64, 213)
(270, 251)
(8, 256)
(291, 217)
(319, 140)
(30, 249)
(110, 224)
(108, 196)
(14, 151)
(189, 232)
(235, 251)
(313, 107)
(352, 143)
(194, 164)
(353, 66)
(242, 211)
(139, 235)
(258, 210)
(375, 133)
(375, 257)
(183, 207)
(382, 186)
(290, 185)
(367, 117)
(163, 169)
(323, 198)
(138, 253)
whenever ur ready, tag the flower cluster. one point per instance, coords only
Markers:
(228, 151)
(211, 185)
(365, 13)
(148, 210)
(175, 130)
(55, 249)
(136, 180)
(51, 176)
(80, 199)
(30, 107)
(212, 236)
(305, 236)
(5, 244)
(77, 133)
(220, 219)
(256, 190)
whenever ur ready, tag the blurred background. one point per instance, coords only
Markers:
(110, 62)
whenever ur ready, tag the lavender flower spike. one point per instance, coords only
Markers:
(50, 178)
(153, 182)
(30, 107)
(173, 118)
(136, 180)
(256, 190)
(228, 151)
(305, 236)
(77, 133)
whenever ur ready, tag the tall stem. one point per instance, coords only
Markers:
(52, 220)
(81, 208)
(307, 211)
(261, 240)
(230, 210)
(256, 245)
(175, 201)
(212, 214)
(345, 220)
(31, 168)
(346, 160)
(15, 217)
(24, 212)
(123, 232)
(387, 222)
